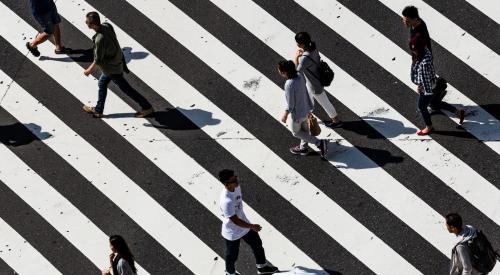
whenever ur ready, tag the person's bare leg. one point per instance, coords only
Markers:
(57, 37)
(39, 39)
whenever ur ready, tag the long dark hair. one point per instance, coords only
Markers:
(288, 67)
(121, 247)
(305, 39)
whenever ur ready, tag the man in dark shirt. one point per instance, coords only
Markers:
(45, 13)
(416, 25)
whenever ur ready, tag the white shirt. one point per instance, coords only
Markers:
(231, 203)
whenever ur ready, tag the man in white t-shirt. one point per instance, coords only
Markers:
(236, 226)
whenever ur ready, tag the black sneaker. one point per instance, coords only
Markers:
(331, 124)
(34, 51)
(267, 270)
(299, 151)
(323, 148)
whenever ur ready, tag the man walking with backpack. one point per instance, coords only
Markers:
(108, 56)
(473, 253)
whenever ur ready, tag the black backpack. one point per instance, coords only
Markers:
(326, 74)
(483, 256)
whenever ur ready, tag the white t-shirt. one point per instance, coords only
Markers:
(231, 203)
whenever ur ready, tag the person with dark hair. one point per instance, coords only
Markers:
(108, 56)
(121, 259)
(236, 226)
(307, 60)
(424, 76)
(299, 106)
(416, 25)
(461, 263)
(45, 13)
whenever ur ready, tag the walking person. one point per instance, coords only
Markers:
(461, 263)
(121, 260)
(299, 106)
(108, 56)
(416, 25)
(45, 13)
(236, 226)
(307, 60)
(424, 76)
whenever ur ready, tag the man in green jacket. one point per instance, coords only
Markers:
(108, 56)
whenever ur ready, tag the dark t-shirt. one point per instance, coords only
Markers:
(41, 7)
(424, 33)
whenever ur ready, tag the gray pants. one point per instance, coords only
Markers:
(300, 130)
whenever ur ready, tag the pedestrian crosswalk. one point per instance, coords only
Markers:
(209, 67)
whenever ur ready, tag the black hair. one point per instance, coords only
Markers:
(288, 67)
(93, 18)
(121, 247)
(305, 39)
(410, 12)
(453, 219)
(225, 175)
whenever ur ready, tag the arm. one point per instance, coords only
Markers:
(90, 69)
(464, 257)
(290, 102)
(241, 223)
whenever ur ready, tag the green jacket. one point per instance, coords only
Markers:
(108, 54)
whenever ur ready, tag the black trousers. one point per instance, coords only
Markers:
(233, 248)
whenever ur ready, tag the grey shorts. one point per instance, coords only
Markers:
(48, 20)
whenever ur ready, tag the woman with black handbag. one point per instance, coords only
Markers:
(307, 60)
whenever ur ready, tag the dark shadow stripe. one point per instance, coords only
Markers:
(233, 102)
(467, 17)
(5, 269)
(41, 235)
(56, 171)
(460, 75)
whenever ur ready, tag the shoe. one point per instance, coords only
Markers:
(34, 51)
(268, 269)
(63, 50)
(421, 133)
(331, 124)
(235, 273)
(461, 116)
(144, 113)
(91, 110)
(323, 148)
(299, 151)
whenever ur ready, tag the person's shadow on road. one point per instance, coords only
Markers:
(18, 134)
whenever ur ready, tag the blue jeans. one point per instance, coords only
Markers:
(122, 83)
(423, 102)
(233, 248)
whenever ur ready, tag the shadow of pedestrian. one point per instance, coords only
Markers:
(78, 55)
(130, 55)
(391, 128)
(182, 119)
(18, 134)
(349, 158)
(300, 270)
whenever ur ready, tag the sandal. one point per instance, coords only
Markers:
(63, 50)
(34, 51)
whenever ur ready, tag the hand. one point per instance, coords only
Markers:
(87, 72)
(419, 89)
(284, 118)
(111, 257)
(299, 52)
(256, 227)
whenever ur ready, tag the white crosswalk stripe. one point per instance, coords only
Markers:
(367, 245)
